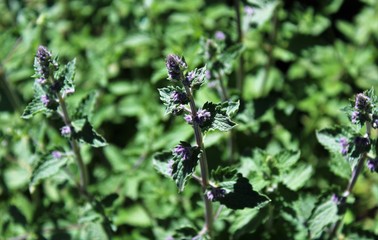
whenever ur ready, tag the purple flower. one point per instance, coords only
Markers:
(215, 194)
(335, 198)
(189, 78)
(45, 100)
(65, 131)
(56, 154)
(175, 66)
(372, 165)
(41, 80)
(249, 10)
(362, 102)
(344, 145)
(43, 58)
(220, 35)
(355, 117)
(188, 118)
(202, 116)
(184, 150)
(68, 91)
(179, 97)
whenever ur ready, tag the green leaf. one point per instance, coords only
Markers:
(199, 77)
(229, 56)
(68, 75)
(324, 215)
(45, 168)
(220, 118)
(84, 132)
(297, 177)
(239, 192)
(86, 106)
(187, 233)
(174, 166)
(286, 159)
(36, 105)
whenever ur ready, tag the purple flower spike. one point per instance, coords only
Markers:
(56, 154)
(175, 66)
(202, 116)
(179, 97)
(220, 35)
(185, 152)
(355, 116)
(65, 131)
(362, 102)
(344, 145)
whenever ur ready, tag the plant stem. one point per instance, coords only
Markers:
(356, 172)
(240, 70)
(75, 147)
(203, 163)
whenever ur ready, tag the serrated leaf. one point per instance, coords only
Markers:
(219, 120)
(199, 77)
(247, 221)
(68, 77)
(87, 134)
(174, 166)
(86, 106)
(297, 177)
(46, 167)
(36, 105)
(239, 192)
(324, 215)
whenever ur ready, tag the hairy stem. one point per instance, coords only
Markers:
(203, 163)
(75, 147)
(356, 172)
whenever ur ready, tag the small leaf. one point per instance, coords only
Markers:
(297, 177)
(199, 77)
(220, 119)
(86, 106)
(46, 167)
(68, 75)
(36, 105)
(87, 134)
(239, 192)
(176, 167)
(323, 215)
(286, 159)
(229, 56)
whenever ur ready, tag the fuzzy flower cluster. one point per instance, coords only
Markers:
(43, 60)
(215, 193)
(201, 118)
(179, 97)
(175, 66)
(185, 151)
(362, 108)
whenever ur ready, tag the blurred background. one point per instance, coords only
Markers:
(299, 65)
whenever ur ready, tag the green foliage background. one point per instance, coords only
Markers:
(302, 62)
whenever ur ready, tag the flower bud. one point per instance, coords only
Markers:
(183, 150)
(344, 145)
(215, 194)
(66, 131)
(175, 66)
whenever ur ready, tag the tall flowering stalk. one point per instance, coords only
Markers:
(180, 163)
(355, 146)
(53, 84)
